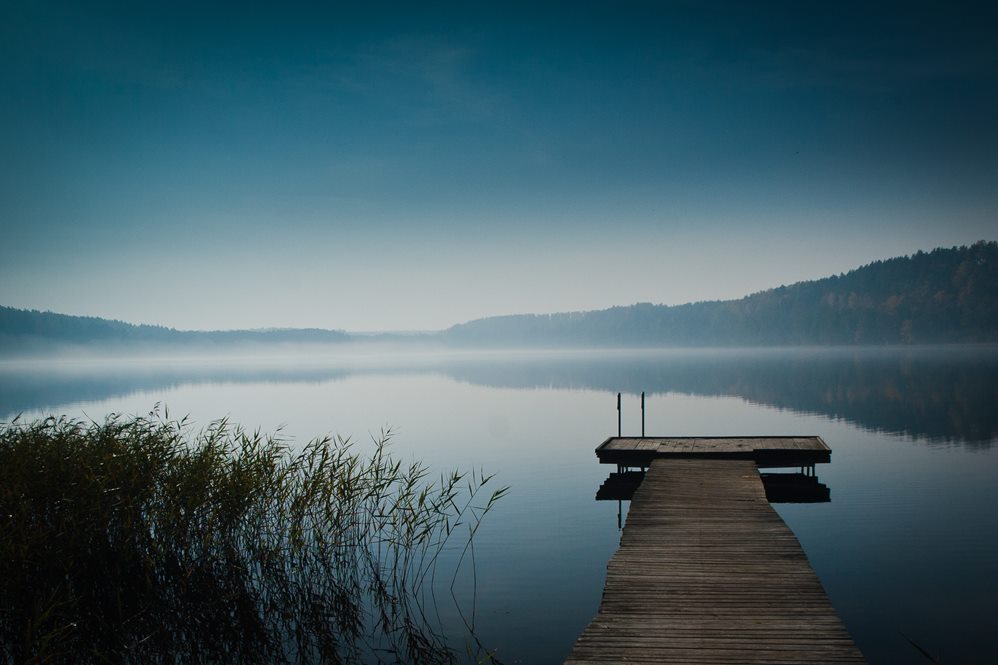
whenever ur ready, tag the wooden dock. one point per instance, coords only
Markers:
(765, 451)
(708, 572)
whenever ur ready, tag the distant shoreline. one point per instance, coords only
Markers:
(946, 296)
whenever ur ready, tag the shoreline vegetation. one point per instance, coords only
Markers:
(143, 540)
(948, 295)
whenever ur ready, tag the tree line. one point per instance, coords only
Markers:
(942, 296)
(948, 295)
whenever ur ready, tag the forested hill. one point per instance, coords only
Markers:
(946, 295)
(29, 329)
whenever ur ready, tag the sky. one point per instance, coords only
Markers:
(380, 166)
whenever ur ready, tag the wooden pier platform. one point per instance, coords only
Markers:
(765, 451)
(708, 572)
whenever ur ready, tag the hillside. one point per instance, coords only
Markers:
(28, 330)
(942, 296)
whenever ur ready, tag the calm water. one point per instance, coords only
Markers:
(908, 545)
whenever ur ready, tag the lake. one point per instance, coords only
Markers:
(906, 548)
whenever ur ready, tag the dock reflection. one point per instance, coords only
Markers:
(795, 487)
(780, 487)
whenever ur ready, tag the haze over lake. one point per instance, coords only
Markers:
(473, 225)
(904, 548)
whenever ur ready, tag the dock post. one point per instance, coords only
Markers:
(642, 414)
(618, 414)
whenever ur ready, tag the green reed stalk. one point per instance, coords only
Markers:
(142, 540)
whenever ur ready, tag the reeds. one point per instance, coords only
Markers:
(141, 540)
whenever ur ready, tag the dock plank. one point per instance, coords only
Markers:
(708, 572)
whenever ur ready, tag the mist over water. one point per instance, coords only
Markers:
(176, 179)
(904, 547)
(940, 394)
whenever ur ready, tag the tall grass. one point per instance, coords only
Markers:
(141, 539)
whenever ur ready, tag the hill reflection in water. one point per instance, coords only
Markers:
(940, 394)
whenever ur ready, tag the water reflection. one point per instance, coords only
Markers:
(795, 488)
(907, 544)
(780, 487)
(939, 394)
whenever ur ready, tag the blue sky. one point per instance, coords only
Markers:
(381, 166)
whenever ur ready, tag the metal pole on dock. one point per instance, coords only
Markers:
(618, 414)
(642, 414)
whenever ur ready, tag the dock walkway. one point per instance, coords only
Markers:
(708, 572)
